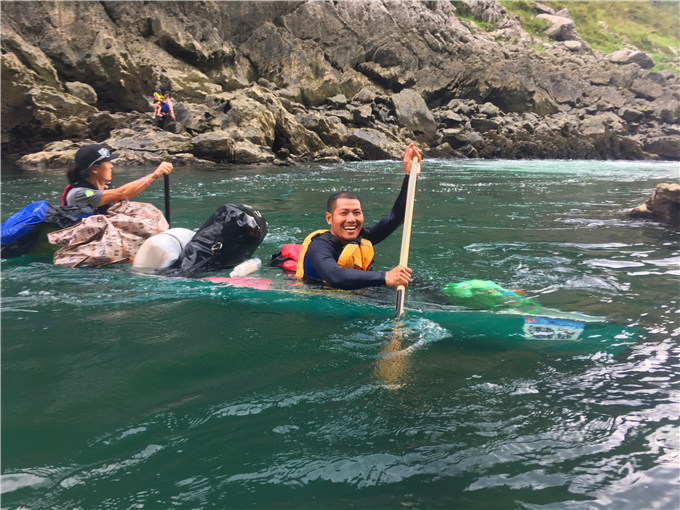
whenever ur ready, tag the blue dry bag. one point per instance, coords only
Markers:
(22, 230)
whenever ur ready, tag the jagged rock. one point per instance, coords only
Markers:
(103, 123)
(375, 144)
(53, 155)
(486, 10)
(149, 140)
(559, 26)
(288, 133)
(33, 56)
(413, 113)
(294, 108)
(510, 29)
(563, 13)
(365, 95)
(626, 75)
(462, 106)
(608, 95)
(74, 128)
(287, 61)
(667, 109)
(630, 148)
(566, 91)
(204, 51)
(646, 89)
(629, 114)
(350, 155)
(664, 204)
(246, 152)
(388, 77)
(196, 118)
(484, 125)
(267, 84)
(596, 129)
(626, 56)
(214, 145)
(469, 151)
(667, 73)
(337, 101)
(327, 155)
(542, 8)
(292, 94)
(451, 119)
(362, 116)
(307, 52)
(600, 77)
(490, 110)
(574, 46)
(666, 146)
(444, 150)
(243, 117)
(82, 91)
(24, 95)
(331, 133)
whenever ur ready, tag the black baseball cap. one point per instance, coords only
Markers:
(89, 155)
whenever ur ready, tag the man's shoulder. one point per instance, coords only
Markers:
(327, 238)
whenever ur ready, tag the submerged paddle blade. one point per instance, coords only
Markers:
(399, 307)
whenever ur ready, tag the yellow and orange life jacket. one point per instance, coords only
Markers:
(356, 255)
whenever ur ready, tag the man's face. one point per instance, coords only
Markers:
(346, 219)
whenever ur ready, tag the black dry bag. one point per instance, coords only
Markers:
(229, 237)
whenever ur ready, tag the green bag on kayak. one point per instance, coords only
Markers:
(486, 295)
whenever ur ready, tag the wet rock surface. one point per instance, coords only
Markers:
(663, 205)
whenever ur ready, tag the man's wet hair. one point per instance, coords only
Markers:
(330, 204)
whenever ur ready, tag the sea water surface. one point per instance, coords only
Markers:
(126, 390)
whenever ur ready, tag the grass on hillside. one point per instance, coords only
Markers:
(651, 26)
(464, 15)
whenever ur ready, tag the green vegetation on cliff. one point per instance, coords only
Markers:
(651, 26)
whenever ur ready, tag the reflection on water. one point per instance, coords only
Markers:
(124, 390)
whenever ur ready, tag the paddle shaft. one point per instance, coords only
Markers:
(166, 182)
(406, 236)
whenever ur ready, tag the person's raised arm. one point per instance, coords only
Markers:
(381, 230)
(134, 188)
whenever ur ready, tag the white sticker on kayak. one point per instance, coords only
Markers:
(541, 328)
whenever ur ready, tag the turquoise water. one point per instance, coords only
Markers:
(124, 390)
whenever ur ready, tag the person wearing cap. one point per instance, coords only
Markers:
(89, 180)
(166, 108)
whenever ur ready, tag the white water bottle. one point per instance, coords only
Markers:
(247, 267)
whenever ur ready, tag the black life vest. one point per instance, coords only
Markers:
(87, 184)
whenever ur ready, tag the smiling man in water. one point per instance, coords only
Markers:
(342, 256)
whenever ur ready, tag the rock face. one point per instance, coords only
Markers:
(663, 205)
(282, 82)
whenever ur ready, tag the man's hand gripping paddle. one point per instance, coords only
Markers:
(406, 237)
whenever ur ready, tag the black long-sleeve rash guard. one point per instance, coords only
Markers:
(322, 257)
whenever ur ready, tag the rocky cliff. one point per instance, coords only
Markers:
(280, 82)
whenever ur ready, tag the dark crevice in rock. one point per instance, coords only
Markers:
(109, 12)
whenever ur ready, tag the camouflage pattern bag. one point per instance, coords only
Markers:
(108, 238)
